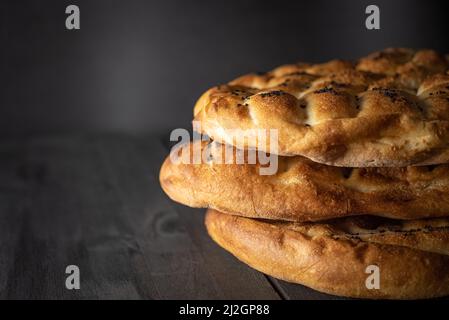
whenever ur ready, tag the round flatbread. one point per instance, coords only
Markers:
(388, 109)
(302, 190)
(341, 257)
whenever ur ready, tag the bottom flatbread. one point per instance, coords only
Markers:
(337, 256)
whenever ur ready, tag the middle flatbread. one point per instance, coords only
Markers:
(302, 190)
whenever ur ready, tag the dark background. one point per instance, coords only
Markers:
(139, 66)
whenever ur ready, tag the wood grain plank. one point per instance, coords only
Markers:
(181, 240)
(293, 291)
(96, 202)
(70, 219)
(14, 196)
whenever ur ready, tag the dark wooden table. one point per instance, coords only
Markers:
(95, 202)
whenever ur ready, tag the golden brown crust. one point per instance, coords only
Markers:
(390, 108)
(325, 260)
(302, 190)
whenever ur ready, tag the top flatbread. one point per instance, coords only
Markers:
(388, 109)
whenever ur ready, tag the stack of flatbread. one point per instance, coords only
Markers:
(361, 188)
